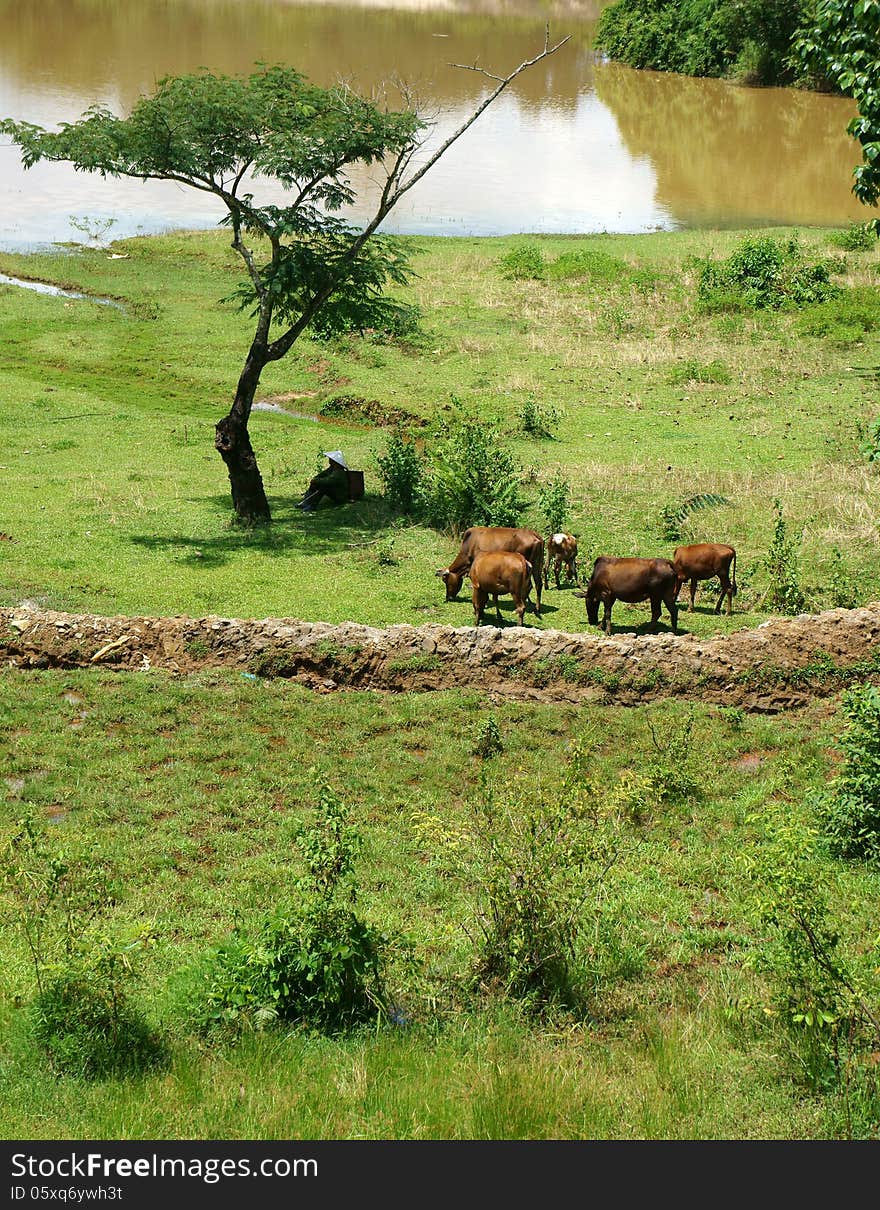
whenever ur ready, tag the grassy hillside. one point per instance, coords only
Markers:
(116, 501)
(190, 791)
(693, 1013)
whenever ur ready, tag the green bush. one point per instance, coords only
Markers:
(313, 962)
(538, 419)
(471, 477)
(850, 808)
(857, 237)
(763, 272)
(554, 499)
(523, 263)
(782, 563)
(400, 473)
(816, 994)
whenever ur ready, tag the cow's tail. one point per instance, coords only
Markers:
(733, 588)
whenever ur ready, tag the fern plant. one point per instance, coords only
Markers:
(674, 515)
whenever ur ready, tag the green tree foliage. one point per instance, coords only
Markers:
(840, 44)
(746, 39)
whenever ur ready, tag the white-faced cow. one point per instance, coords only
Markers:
(496, 573)
(704, 561)
(562, 551)
(630, 580)
(482, 538)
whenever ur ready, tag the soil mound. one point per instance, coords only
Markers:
(780, 665)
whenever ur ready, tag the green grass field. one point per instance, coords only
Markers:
(189, 789)
(117, 503)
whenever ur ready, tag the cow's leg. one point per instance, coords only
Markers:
(672, 606)
(547, 570)
(606, 617)
(655, 613)
(520, 603)
(556, 568)
(497, 608)
(693, 592)
(480, 599)
(725, 587)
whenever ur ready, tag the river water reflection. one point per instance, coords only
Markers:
(576, 145)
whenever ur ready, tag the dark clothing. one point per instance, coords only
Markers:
(332, 483)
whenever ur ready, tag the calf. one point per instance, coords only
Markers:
(500, 572)
(562, 550)
(631, 580)
(481, 538)
(704, 561)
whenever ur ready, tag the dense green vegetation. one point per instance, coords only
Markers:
(516, 919)
(748, 41)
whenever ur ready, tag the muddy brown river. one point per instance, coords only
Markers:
(576, 145)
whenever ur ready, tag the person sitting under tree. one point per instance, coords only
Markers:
(332, 482)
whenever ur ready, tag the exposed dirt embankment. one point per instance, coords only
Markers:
(781, 664)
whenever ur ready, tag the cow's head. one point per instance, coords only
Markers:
(452, 580)
(592, 603)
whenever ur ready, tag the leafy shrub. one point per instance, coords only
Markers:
(782, 562)
(693, 371)
(816, 994)
(553, 499)
(842, 589)
(523, 263)
(400, 472)
(763, 272)
(850, 808)
(314, 962)
(488, 742)
(471, 477)
(857, 237)
(538, 419)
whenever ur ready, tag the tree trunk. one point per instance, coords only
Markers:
(232, 441)
(233, 444)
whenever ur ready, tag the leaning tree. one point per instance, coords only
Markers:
(304, 264)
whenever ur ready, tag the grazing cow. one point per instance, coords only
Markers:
(703, 561)
(481, 538)
(562, 550)
(631, 580)
(500, 572)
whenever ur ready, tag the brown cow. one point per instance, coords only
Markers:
(500, 572)
(562, 550)
(481, 538)
(631, 580)
(703, 561)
